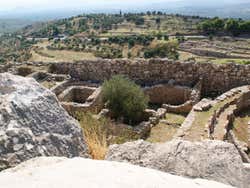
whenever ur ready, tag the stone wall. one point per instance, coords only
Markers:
(92, 104)
(168, 94)
(186, 107)
(76, 94)
(216, 78)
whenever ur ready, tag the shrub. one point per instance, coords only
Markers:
(245, 62)
(125, 99)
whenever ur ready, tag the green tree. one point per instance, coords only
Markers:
(218, 24)
(158, 20)
(245, 27)
(232, 26)
(159, 35)
(125, 99)
(131, 43)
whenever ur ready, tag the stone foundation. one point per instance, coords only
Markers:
(82, 99)
(168, 94)
(193, 98)
(76, 96)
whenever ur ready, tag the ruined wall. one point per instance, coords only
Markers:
(168, 94)
(77, 94)
(216, 78)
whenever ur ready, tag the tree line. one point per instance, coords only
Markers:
(231, 26)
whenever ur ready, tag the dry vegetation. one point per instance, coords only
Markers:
(101, 133)
(40, 53)
(169, 23)
(164, 132)
(95, 132)
(241, 127)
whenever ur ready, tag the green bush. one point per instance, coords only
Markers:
(125, 99)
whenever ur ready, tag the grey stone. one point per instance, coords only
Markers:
(48, 172)
(33, 123)
(213, 160)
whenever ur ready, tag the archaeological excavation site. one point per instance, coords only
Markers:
(196, 122)
(124, 94)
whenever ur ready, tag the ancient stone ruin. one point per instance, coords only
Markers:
(213, 99)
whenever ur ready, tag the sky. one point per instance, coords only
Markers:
(33, 7)
(6, 5)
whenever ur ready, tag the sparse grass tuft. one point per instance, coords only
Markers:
(100, 133)
(241, 127)
(95, 132)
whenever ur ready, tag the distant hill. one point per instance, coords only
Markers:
(12, 25)
(233, 10)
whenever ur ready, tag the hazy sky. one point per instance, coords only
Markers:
(9, 5)
(44, 4)
(40, 4)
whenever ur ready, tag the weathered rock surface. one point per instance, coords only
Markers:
(213, 160)
(78, 172)
(32, 123)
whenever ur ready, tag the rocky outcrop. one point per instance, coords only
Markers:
(213, 160)
(79, 172)
(32, 123)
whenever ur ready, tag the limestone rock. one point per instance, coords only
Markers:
(32, 123)
(78, 172)
(213, 160)
(203, 105)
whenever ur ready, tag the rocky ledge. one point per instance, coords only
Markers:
(213, 160)
(78, 172)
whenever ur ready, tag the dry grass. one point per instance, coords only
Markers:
(95, 133)
(185, 56)
(48, 84)
(172, 118)
(162, 133)
(100, 133)
(46, 55)
(165, 132)
(241, 127)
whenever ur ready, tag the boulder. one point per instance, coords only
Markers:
(33, 123)
(78, 172)
(213, 160)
